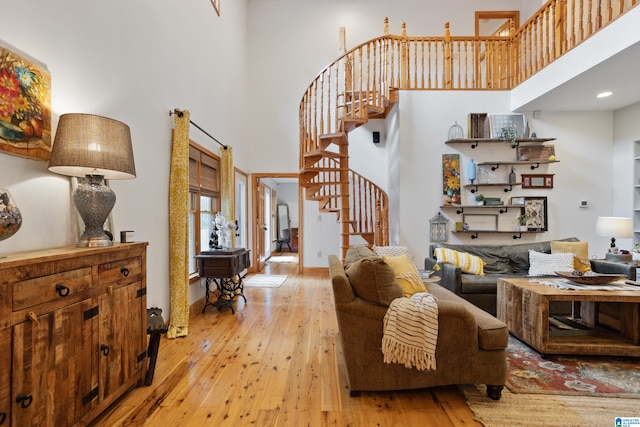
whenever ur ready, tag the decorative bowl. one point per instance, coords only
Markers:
(592, 278)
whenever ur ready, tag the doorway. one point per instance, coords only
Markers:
(270, 190)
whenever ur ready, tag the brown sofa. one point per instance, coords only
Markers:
(471, 343)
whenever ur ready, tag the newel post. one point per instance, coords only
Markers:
(447, 57)
(405, 57)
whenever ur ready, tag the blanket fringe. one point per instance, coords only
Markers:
(409, 356)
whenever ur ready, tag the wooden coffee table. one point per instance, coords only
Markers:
(608, 323)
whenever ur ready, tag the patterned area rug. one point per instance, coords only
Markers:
(265, 281)
(529, 372)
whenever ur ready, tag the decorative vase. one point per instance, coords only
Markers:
(10, 217)
(471, 170)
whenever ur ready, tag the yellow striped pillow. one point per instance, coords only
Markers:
(467, 262)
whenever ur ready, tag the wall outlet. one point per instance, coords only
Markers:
(319, 254)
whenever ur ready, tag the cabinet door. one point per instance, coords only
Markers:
(5, 376)
(52, 381)
(123, 337)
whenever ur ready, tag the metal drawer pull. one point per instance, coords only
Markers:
(3, 417)
(105, 349)
(124, 271)
(24, 400)
(63, 291)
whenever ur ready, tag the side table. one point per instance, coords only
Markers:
(223, 267)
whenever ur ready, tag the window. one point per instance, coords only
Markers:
(204, 200)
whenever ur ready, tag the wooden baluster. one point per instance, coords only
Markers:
(429, 60)
(581, 21)
(386, 26)
(609, 11)
(560, 35)
(466, 65)
(572, 39)
(423, 66)
(621, 7)
(589, 19)
(447, 56)
(599, 15)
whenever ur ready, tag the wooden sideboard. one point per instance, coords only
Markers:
(73, 332)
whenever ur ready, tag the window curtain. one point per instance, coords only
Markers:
(228, 189)
(179, 228)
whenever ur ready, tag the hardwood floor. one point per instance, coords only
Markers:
(276, 362)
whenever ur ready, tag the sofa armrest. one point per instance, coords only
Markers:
(608, 267)
(451, 278)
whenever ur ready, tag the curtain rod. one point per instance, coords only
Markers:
(179, 113)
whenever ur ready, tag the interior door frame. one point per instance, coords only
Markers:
(255, 200)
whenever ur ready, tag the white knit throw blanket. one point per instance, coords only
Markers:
(411, 332)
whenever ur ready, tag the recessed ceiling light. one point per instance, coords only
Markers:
(604, 94)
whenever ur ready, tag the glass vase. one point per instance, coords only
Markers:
(10, 217)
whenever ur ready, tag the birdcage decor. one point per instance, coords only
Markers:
(455, 132)
(439, 227)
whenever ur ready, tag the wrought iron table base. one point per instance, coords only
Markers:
(227, 288)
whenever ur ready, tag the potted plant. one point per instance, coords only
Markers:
(522, 221)
(479, 199)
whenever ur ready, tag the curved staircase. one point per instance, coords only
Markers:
(362, 85)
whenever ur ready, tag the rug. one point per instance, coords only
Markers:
(529, 372)
(282, 258)
(550, 410)
(265, 281)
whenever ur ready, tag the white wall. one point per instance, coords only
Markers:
(583, 146)
(626, 131)
(132, 61)
(290, 42)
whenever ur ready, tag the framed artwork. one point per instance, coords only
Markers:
(537, 180)
(535, 152)
(451, 179)
(481, 222)
(25, 105)
(535, 209)
(499, 121)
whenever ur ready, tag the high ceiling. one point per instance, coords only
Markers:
(618, 74)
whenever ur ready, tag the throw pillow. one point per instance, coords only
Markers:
(393, 251)
(580, 250)
(541, 264)
(467, 262)
(355, 253)
(406, 274)
(374, 280)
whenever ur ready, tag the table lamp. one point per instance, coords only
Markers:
(611, 226)
(96, 148)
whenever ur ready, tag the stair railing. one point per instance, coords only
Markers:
(358, 84)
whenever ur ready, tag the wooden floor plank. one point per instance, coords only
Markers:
(276, 362)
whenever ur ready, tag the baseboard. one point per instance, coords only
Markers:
(196, 308)
(315, 270)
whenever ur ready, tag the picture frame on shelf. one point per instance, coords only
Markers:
(481, 222)
(537, 180)
(499, 121)
(535, 208)
(517, 201)
(533, 153)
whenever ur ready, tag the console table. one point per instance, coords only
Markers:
(223, 267)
